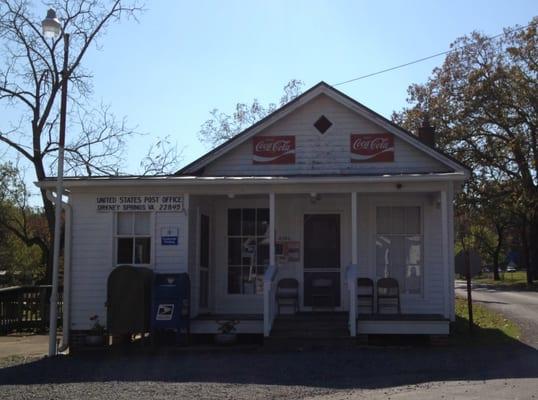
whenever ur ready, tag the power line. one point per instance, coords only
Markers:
(426, 58)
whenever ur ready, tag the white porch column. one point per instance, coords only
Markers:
(451, 266)
(270, 274)
(272, 250)
(354, 229)
(353, 268)
(445, 246)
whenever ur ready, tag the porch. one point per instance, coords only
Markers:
(240, 283)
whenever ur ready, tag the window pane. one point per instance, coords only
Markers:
(383, 256)
(248, 250)
(262, 221)
(262, 253)
(125, 223)
(142, 223)
(142, 250)
(234, 280)
(249, 280)
(383, 220)
(397, 258)
(125, 251)
(248, 219)
(234, 222)
(397, 220)
(412, 219)
(234, 251)
(413, 271)
(260, 271)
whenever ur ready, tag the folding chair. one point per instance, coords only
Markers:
(388, 294)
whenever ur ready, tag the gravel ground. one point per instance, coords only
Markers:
(256, 373)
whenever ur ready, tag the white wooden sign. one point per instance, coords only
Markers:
(139, 203)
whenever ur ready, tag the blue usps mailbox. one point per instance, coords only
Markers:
(171, 305)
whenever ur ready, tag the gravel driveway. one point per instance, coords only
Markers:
(256, 373)
(519, 306)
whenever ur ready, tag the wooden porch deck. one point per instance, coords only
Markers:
(403, 324)
(401, 317)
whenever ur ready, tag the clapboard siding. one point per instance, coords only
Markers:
(92, 255)
(323, 154)
(289, 223)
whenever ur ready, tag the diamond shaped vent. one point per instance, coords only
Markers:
(322, 124)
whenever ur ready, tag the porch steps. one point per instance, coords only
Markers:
(306, 330)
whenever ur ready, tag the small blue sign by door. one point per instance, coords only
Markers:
(169, 235)
(169, 240)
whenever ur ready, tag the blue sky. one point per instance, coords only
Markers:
(183, 59)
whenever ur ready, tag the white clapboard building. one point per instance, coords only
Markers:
(322, 192)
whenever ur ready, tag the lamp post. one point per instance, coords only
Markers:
(52, 28)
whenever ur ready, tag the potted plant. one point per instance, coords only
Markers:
(226, 335)
(96, 335)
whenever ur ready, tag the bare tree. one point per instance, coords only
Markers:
(221, 126)
(30, 82)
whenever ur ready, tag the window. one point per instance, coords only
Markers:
(248, 249)
(133, 238)
(322, 124)
(399, 247)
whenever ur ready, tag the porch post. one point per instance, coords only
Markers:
(271, 228)
(354, 238)
(353, 268)
(445, 238)
(270, 274)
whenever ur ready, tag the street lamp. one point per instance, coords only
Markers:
(52, 28)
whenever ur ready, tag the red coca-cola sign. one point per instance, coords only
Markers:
(375, 147)
(273, 150)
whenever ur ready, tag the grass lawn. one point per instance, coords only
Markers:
(490, 327)
(512, 280)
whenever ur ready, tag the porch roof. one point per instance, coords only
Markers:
(186, 181)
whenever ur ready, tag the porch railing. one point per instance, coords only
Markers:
(24, 308)
(269, 302)
(351, 278)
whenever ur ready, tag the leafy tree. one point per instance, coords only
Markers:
(221, 126)
(30, 85)
(483, 101)
(23, 234)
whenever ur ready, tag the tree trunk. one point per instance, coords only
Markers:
(532, 249)
(525, 250)
(497, 252)
(48, 208)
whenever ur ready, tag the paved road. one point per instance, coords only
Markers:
(519, 306)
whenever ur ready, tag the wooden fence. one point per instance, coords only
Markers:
(26, 308)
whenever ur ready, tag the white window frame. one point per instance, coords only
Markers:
(403, 204)
(240, 207)
(133, 236)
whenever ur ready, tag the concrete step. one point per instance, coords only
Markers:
(304, 344)
(311, 326)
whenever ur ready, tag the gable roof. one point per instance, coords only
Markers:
(321, 88)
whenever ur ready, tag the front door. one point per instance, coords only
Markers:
(321, 261)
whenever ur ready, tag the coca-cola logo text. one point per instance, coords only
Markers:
(273, 150)
(377, 147)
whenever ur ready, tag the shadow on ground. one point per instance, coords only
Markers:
(340, 368)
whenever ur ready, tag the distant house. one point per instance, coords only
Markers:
(323, 191)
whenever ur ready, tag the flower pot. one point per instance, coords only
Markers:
(225, 339)
(95, 340)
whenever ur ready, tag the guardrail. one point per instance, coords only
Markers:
(26, 308)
